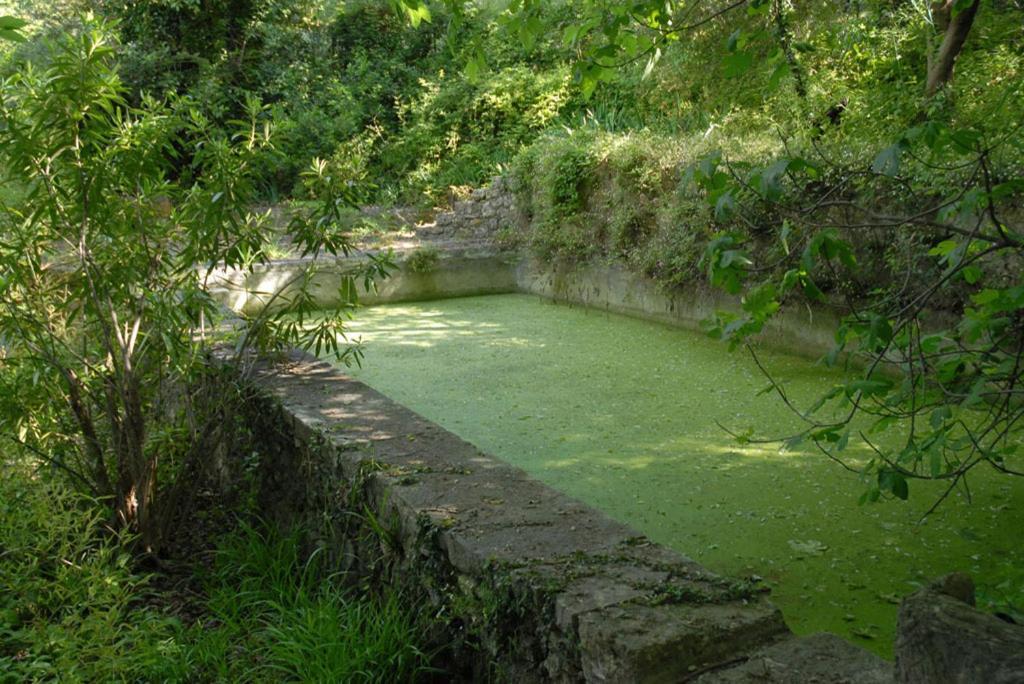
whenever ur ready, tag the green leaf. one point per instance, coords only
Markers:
(939, 417)
(944, 248)
(417, 11)
(13, 36)
(887, 162)
(965, 139)
(725, 205)
(784, 235)
(781, 71)
(1007, 189)
(793, 443)
(651, 62)
(8, 23)
(732, 43)
(900, 487)
(893, 481)
(935, 465)
(811, 290)
(529, 28)
(971, 274)
(960, 6)
(761, 302)
(476, 66)
(868, 388)
(737, 63)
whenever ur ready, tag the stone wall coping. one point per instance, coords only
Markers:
(616, 607)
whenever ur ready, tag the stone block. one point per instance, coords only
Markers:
(816, 659)
(942, 638)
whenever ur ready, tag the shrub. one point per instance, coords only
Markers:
(422, 260)
(457, 131)
(70, 605)
(105, 271)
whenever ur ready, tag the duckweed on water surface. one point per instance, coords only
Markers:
(622, 414)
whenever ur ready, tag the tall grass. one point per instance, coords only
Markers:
(275, 616)
(72, 607)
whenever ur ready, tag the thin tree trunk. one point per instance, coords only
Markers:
(940, 70)
(93, 445)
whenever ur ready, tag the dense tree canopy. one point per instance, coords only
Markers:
(886, 182)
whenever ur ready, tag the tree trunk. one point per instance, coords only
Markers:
(940, 69)
(137, 480)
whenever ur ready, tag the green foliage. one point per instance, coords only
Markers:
(70, 606)
(951, 389)
(331, 72)
(274, 614)
(10, 28)
(74, 609)
(423, 260)
(105, 264)
(458, 131)
(553, 178)
(594, 194)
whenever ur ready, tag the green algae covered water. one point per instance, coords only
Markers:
(621, 413)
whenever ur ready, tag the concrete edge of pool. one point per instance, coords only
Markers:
(535, 585)
(478, 269)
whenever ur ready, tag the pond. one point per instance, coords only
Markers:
(624, 414)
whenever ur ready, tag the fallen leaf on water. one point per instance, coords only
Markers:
(810, 547)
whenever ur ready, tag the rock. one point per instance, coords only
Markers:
(942, 639)
(815, 659)
(479, 215)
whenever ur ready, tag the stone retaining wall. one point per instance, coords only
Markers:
(467, 260)
(526, 584)
(486, 212)
(451, 271)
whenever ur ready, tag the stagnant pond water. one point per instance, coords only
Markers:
(621, 413)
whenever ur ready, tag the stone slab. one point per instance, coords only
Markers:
(815, 659)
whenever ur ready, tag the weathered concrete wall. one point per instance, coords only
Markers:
(612, 287)
(526, 584)
(455, 272)
(480, 270)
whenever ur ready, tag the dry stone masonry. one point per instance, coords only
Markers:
(483, 214)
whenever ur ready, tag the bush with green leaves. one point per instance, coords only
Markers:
(105, 261)
(70, 605)
(459, 132)
(552, 180)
